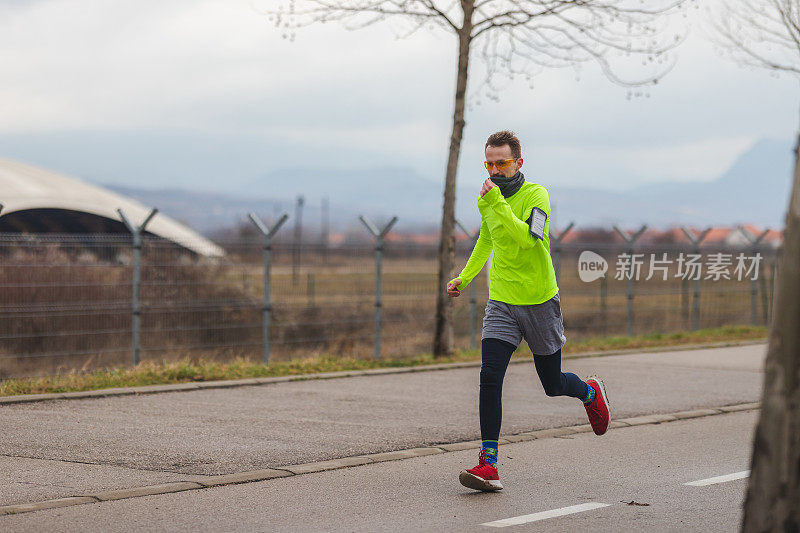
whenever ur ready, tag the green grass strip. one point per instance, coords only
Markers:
(185, 371)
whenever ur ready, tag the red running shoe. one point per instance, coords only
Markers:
(599, 410)
(482, 477)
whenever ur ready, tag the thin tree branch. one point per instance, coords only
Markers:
(539, 33)
(762, 33)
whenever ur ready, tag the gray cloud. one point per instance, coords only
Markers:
(180, 91)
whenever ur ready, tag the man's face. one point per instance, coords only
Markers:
(502, 153)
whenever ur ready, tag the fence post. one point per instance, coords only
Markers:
(557, 248)
(603, 304)
(136, 232)
(754, 242)
(266, 308)
(379, 235)
(310, 290)
(629, 290)
(696, 285)
(684, 302)
(473, 300)
(772, 285)
(298, 239)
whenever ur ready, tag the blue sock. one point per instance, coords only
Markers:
(589, 395)
(490, 451)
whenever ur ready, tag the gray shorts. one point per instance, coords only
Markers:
(540, 325)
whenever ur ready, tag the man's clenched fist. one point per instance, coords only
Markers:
(488, 184)
(451, 287)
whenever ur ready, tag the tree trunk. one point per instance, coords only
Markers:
(443, 337)
(773, 494)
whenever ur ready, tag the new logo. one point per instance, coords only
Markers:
(591, 266)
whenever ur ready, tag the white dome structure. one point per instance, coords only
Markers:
(38, 200)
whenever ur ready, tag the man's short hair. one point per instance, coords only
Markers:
(505, 137)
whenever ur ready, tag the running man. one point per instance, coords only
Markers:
(523, 300)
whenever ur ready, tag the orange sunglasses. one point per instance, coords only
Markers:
(501, 165)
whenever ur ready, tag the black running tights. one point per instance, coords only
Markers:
(495, 356)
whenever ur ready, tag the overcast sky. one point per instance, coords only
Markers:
(218, 71)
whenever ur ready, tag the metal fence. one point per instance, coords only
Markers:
(67, 301)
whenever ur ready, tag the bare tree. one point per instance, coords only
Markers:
(762, 33)
(514, 38)
(766, 34)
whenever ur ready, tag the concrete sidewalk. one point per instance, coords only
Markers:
(648, 464)
(62, 448)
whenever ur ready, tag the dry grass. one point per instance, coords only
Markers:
(187, 370)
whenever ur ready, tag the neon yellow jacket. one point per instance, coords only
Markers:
(522, 270)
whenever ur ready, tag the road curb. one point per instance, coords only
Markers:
(245, 382)
(47, 504)
(240, 477)
(203, 482)
(740, 407)
(147, 490)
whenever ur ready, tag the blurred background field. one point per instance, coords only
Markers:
(66, 300)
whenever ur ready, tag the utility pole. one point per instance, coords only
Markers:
(298, 238)
(325, 230)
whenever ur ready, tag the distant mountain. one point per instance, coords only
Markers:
(210, 213)
(758, 183)
(380, 192)
(205, 212)
(755, 189)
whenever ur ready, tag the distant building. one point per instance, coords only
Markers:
(731, 237)
(39, 201)
(773, 238)
(718, 236)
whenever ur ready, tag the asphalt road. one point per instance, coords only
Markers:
(62, 448)
(646, 464)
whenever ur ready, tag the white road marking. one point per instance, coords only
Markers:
(719, 479)
(524, 519)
